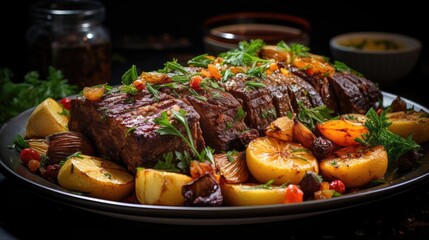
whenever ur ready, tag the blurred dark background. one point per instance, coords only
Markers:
(174, 29)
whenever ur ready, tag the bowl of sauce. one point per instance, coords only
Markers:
(224, 32)
(380, 56)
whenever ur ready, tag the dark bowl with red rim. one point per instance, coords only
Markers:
(224, 32)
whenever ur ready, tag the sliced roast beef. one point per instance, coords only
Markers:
(321, 86)
(122, 126)
(222, 118)
(350, 98)
(257, 101)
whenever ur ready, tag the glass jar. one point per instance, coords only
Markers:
(69, 36)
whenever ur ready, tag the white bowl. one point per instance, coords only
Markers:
(378, 65)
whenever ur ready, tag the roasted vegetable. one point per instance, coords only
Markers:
(159, 187)
(252, 194)
(410, 123)
(285, 162)
(48, 117)
(355, 166)
(95, 177)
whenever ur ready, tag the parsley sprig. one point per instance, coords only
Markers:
(311, 116)
(167, 128)
(379, 134)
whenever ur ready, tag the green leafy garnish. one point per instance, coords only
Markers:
(167, 164)
(226, 75)
(155, 93)
(267, 185)
(167, 128)
(253, 84)
(130, 75)
(173, 66)
(75, 155)
(311, 116)
(129, 89)
(342, 67)
(241, 114)
(129, 131)
(230, 155)
(247, 55)
(297, 50)
(19, 143)
(17, 97)
(200, 61)
(379, 134)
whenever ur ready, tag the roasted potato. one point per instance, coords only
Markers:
(157, 187)
(252, 194)
(95, 177)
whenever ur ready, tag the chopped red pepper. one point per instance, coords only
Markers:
(338, 186)
(195, 82)
(293, 194)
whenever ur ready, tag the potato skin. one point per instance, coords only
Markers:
(355, 166)
(157, 187)
(252, 194)
(96, 177)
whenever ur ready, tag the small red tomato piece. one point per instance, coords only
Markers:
(28, 154)
(139, 84)
(33, 165)
(338, 186)
(293, 194)
(195, 82)
(66, 102)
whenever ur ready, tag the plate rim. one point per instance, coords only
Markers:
(204, 215)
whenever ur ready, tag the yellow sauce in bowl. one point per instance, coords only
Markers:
(371, 44)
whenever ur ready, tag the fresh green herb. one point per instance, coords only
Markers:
(301, 158)
(336, 194)
(245, 54)
(181, 78)
(297, 50)
(64, 112)
(167, 164)
(290, 114)
(200, 61)
(167, 128)
(214, 84)
(61, 163)
(130, 75)
(17, 97)
(129, 100)
(129, 89)
(258, 71)
(300, 150)
(108, 175)
(184, 160)
(75, 155)
(229, 125)
(267, 185)
(282, 46)
(269, 112)
(253, 84)
(311, 116)
(129, 131)
(155, 93)
(342, 67)
(379, 134)
(241, 114)
(334, 163)
(230, 155)
(19, 143)
(173, 66)
(226, 75)
(196, 95)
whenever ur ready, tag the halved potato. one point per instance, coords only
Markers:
(46, 119)
(252, 194)
(410, 123)
(355, 166)
(157, 187)
(284, 162)
(96, 177)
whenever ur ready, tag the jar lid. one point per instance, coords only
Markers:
(68, 12)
